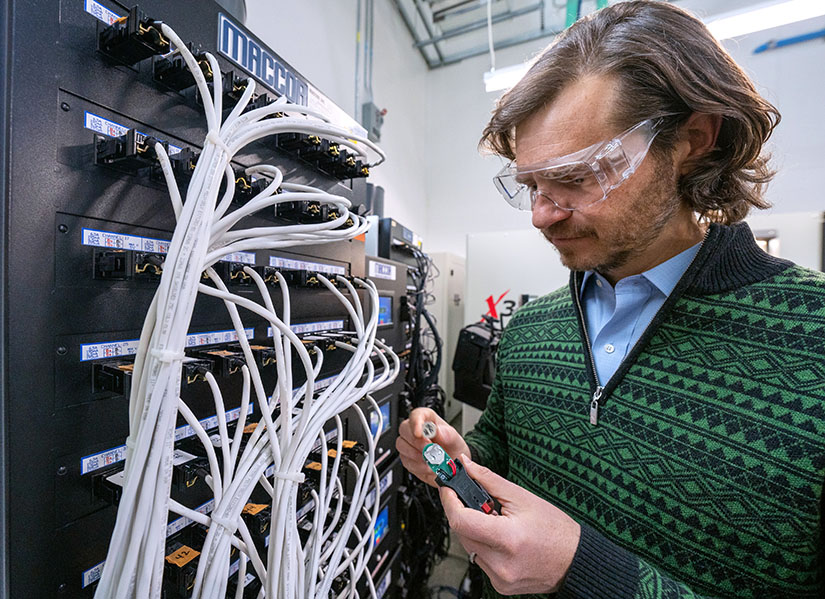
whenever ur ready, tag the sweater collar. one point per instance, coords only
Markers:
(728, 259)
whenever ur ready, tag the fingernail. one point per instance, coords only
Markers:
(465, 458)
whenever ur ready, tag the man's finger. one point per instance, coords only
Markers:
(500, 488)
(472, 524)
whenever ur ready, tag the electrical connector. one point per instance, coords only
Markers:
(172, 71)
(194, 371)
(264, 355)
(111, 264)
(305, 212)
(246, 188)
(128, 153)
(148, 266)
(224, 362)
(257, 517)
(133, 38)
(112, 377)
(181, 568)
(108, 485)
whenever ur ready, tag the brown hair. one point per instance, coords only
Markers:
(668, 65)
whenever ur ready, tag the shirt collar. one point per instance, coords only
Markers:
(663, 276)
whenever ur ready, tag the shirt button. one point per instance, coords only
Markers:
(609, 348)
(598, 282)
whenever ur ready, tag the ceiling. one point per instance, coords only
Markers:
(448, 31)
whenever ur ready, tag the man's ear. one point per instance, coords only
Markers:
(698, 137)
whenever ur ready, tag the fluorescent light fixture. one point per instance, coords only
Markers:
(764, 16)
(498, 79)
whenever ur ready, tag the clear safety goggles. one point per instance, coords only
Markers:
(580, 179)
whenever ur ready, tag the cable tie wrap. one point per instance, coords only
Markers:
(230, 525)
(296, 477)
(167, 355)
(215, 138)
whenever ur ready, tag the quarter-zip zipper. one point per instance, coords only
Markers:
(598, 394)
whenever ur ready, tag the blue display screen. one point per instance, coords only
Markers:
(382, 525)
(384, 310)
(385, 413)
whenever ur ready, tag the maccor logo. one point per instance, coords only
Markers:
(237, 46)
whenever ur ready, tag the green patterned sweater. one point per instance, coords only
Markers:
(703, 476)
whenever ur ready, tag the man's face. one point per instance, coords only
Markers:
(607, 235)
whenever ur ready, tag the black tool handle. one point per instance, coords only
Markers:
(469, 491)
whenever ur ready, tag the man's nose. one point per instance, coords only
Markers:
(546, 213)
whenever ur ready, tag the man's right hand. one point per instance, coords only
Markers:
(411, 442)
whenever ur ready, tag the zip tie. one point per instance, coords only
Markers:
(230, 525)
(167, 355)
(215, 138)
(296, 477)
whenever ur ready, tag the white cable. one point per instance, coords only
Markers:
(290, 419)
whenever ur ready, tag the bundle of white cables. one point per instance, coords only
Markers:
(291, 421)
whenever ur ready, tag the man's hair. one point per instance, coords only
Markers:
(667, 64)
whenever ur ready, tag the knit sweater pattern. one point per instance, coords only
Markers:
(703, 476)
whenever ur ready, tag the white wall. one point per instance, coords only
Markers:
(460, 187)
(318, 39)
(798, 235)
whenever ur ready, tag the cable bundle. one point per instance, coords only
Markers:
(425, 351)
(291, 420)
(426, 538)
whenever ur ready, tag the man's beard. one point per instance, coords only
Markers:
(643, 219)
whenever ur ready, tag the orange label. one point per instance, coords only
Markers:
(348, 444)
(182, 556)
(250, 428)
(221, 352)
(332, 453)
(314, 466)
(254, 508)
(126, 367)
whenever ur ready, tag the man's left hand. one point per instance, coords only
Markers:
(526, 549)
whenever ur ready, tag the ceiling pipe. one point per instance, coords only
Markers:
(479, 25)
(443, 12)
(408, 22)
(423, 15)
(513, 41)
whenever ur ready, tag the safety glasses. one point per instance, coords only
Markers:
(580, 179)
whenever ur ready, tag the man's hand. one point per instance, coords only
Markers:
(527, 549)
(411, 441)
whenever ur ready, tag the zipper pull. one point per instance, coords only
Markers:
(594, 405)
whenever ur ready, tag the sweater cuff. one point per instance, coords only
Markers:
(600, 570)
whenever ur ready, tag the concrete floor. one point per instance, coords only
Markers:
(450, 571)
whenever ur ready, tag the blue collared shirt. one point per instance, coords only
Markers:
(616, 318)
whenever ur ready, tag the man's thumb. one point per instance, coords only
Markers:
(495, 485)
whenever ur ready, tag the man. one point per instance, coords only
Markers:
(657, 429)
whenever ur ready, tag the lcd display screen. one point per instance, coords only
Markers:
(385, 414)
(384, 310)
(382, 525)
